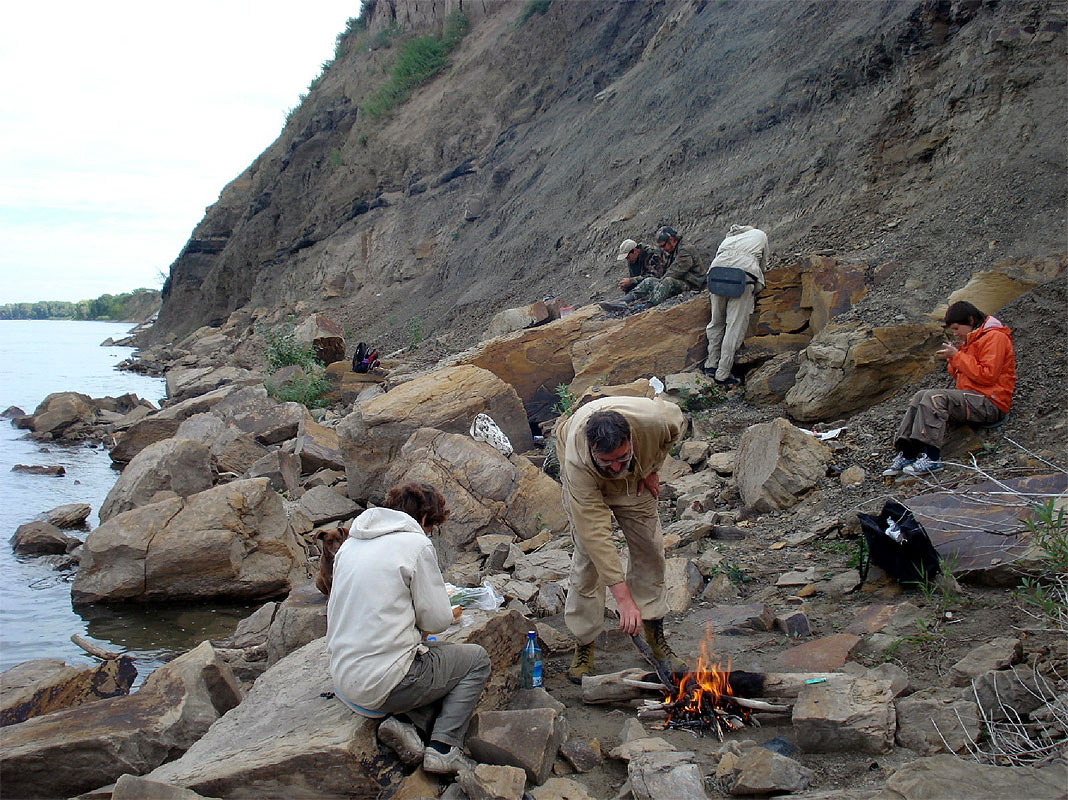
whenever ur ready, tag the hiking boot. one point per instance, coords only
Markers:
(728, 382)
(923, 465)
(654, 635)
(446, 763)
(582, 663)
(614, 306)
(403, 739)
(897, 466)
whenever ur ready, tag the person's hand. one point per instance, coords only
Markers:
(630, 618)
(948, 350)
(650, 482)
(625, 284)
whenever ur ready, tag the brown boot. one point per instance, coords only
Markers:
(654, 635)
(582, 663)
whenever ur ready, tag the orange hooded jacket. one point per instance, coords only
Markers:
(985, 363)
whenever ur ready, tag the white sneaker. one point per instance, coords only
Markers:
(446, 763)
(897, 466)
(403, 739)
(923, 465)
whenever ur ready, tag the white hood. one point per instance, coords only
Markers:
(375, 522)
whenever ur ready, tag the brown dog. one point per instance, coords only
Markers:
(330, 540)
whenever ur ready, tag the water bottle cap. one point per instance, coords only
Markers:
(531, 634)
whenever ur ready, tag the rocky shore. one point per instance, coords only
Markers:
(223, 490)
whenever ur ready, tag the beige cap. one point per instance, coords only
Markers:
(626, 247)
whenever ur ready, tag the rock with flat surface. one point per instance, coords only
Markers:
(486, 492)
(69, 515)
(490, 782)
(529, 739)
(946, 777)
(132, 787)
(61, 754)
(759, 771)
(777, 463)
(841, 716)
(318, 448)
(280, 468)
(322, 505)
(852, 365)
(140, 435)
(299, 619)
(996, 654)
(232, 541)
(41, 538)
(61, 410)
(66, 687)
(666, 776)
(183, 383)
(446, 400)
(251, 410)
(289, 738)
(934, 720)
(182, 466)
(560, 789)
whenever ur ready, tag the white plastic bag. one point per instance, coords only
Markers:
(485, 596)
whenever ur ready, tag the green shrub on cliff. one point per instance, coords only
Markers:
(281, 348)
(419, 59)
(306, 389)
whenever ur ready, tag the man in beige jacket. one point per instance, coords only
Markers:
(610, 452)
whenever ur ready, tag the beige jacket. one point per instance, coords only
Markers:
(655, 425)
(745, 248)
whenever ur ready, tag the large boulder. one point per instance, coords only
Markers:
(54, 689)
(186, 382)
(948, 777)
(41, 538)
(232, 450)
(77, 749)
(485, 491)
(318, 448)
(68, 515)
(140, 435)
(61, 410)
(777, 463)
(325, 337)
(447, 399)
(182, 466)
(851, 365)
(289, 738)
(251, 410)
(232, 541)
(657, 342)
(537, 360)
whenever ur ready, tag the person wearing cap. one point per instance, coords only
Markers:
(642, 260)
(745, 248)
(681, 270)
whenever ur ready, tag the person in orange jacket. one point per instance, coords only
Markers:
(983, 366)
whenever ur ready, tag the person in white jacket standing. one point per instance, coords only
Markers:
(745, 248)
(387, 594)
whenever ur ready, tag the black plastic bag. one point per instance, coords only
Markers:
(898, 544)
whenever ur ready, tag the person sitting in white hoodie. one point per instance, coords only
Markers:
(387, 594)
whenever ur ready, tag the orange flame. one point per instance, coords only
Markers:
(706, 688)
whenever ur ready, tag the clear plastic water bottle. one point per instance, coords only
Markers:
(530, 663)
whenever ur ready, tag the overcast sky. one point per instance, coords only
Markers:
(122, 121)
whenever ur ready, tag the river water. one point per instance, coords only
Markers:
(36, 616)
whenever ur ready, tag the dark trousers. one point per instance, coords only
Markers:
(931, 411)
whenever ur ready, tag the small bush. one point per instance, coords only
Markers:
(1047, 591)
(415, 332)
(418, 60)
(282, 349)
(565, 401)
(335, 158)
(308, 390)
(531, 8)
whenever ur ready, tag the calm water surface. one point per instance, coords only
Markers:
(36, 616)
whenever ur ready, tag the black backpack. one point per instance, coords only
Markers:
(365, 358)
(898, 544)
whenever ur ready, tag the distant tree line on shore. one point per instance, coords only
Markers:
(124, 307)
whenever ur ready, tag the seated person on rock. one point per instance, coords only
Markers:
(642, 260)
(683, 270)
(387, 593)
(983, 366)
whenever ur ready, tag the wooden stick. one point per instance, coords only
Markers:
(92, 649)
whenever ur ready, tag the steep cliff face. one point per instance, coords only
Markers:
(926, 132)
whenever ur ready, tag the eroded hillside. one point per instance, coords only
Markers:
(929, 133)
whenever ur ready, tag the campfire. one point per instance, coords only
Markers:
(707, 699)
(704, 700)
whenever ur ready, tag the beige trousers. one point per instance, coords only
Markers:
(726, 329)
(638, 519)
